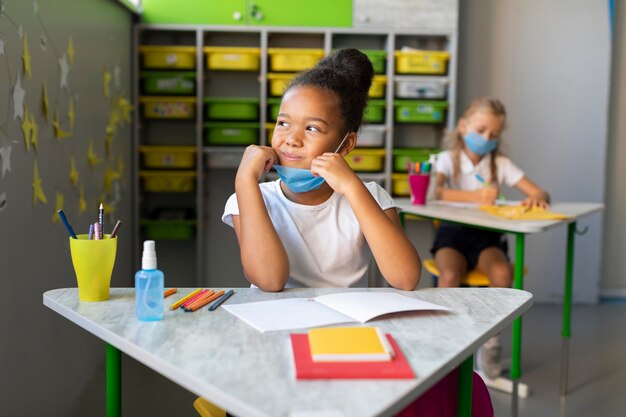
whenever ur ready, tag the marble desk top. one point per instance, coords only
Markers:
(473, 216)
(248, 373)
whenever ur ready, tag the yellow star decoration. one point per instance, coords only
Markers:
(27, 128)
(126, 108)
(26, 59)
(58, 205)
(70, 50)
(92, 157)
(38, 193)
(58, 132)
(120, 166)
(70, 114)
(82, 203)
(74, 174)
(108, 144)
(110, 175)
(34, 137)
(44, 100)
(106, 83)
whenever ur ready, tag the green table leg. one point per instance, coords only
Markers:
(567, 307)
(516, 347)
(465, 387)
(114, 386)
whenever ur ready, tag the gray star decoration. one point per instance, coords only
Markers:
(5, 158)
(65, 70)
(18, 99)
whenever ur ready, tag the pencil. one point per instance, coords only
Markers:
(67, 224)
(201, 294)
(96, 231)
(116, 228)
(182, 300)
(101, 220)
(90, 234)
(219, 302)
(205, 301)
(169, 292)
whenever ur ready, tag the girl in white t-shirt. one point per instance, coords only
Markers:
(318, 225)
(473, 171)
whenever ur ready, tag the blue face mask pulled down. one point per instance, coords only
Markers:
(479, 145)
(301, 180)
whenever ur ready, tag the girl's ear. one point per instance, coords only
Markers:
(462, 127)
(349, 144)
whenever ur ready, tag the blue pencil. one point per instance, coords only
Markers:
(486, 184)
(90, 234)
(223, 298)
(67, 225)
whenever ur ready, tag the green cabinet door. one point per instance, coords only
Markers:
(328, 13)
(200, 12)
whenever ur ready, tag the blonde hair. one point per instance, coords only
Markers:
(492, 105)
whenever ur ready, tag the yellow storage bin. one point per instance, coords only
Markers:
(232, 58)
(422, 62)
(279, 83)
(169, 107)
(377, 90)
(293, 59)
(400, 185)
(168, 57)
(168, 181)
(366, 160)
(168, 156)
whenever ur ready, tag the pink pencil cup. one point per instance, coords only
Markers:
(419, 188)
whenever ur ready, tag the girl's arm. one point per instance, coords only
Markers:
(395, 255)
(535, 195)
(486, 195)
(263, 257)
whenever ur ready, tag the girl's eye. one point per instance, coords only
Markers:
(282, 123)
(313, 128)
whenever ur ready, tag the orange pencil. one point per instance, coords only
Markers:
(205, 301)
(200, 295)
(169, 292)
(182, 300)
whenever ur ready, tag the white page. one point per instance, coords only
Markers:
(287, 314)
(364, 306)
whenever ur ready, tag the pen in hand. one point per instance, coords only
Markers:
(487, 184)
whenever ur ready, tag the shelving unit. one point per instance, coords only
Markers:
(218, 154)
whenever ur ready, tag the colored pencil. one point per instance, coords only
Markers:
(219, 302)
(201, 294)
(90, 234)
(182, 300)
(67, 224)
(116, 228)
(96, 231)
(101, 220)
(169, 292)
(205, 301)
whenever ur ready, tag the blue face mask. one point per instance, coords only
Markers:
(479, 145)
(301, 180)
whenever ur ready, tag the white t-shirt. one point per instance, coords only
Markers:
(324, 243)
(507, 172)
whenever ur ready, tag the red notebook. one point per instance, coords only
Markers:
(397, 368)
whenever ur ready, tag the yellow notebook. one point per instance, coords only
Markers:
(523, 213)
(349, 344)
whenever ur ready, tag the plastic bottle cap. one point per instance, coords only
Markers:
(149, 259)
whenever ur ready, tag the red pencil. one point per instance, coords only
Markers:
(205, 301)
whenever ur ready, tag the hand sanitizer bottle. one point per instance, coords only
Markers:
(431, 195)
(149, 286)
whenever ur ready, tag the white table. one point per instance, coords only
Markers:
(248, 373)
(474, 217)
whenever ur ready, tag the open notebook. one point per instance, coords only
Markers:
(324, 310)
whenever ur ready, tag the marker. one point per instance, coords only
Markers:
(90, 234)
(116, 228)
(216, 304)
(101, 221)
(486, 184)
(67, 225)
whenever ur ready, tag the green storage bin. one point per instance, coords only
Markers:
(231, 108)
(420, 111)
(164, 82)
(273, 105)
(377, 58)
(231, 133)
(168, 229)
(375, 111)
(402, 156)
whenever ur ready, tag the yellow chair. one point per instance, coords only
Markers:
(206, 409)
(473, 278)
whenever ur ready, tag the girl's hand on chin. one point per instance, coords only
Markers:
(256, 160)
(335, 171)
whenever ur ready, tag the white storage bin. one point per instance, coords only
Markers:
(222, 159)
(421, 87)
(371, 136)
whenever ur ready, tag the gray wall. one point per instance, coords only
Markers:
(548, 61)
(49, 367)
(613, 282)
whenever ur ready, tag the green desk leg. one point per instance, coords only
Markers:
(465, 387)
(516, 347)
(567, 308)
(113, 393)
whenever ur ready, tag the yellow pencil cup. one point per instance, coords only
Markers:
(93, 264)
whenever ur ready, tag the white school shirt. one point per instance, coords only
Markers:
(324, 243)
(507, 172)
